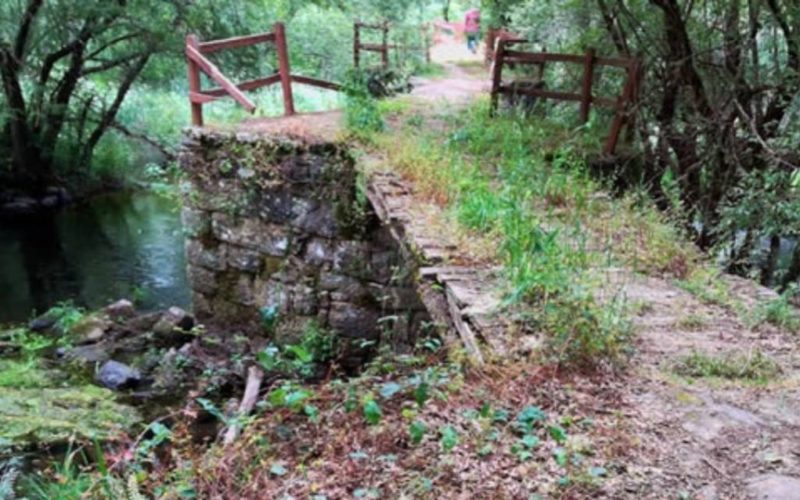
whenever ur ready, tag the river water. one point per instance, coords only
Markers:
(118, 245)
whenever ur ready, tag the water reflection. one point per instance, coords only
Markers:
(117, 245)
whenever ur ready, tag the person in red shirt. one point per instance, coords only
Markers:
(472, 27)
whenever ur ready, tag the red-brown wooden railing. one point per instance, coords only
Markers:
(382, 48)
(198, 62)
(622, 104)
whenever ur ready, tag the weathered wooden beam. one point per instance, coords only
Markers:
(234, 42)
(316, 82)
(194, 84)
(215, 74)
(248, 85)
(463, 329)
(283, 69)
(586, 87)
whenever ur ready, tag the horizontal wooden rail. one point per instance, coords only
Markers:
(515, 56)
(622, 104)
(235, 42)
(316, 82)
(248, 85)
(372, 26)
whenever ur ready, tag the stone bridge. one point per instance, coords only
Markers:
(280, 222)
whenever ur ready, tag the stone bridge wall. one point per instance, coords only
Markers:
(275, 223)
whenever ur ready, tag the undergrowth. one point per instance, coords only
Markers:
(755, 366)
(524, 184)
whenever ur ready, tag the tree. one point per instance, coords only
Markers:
(66, 67)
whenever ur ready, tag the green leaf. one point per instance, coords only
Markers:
(417, 431)
(300, 353)
(449, 438)
(295, 399)
(530, 441)
(530, 415)
(311, 411)
(421, 393)
(269, 358)
(560, 456)
(389, 389)
(598, 472)
(486, 410)
(558, 433)
(486, 449)
(372, 412)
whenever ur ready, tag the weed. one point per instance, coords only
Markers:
(778, 312)
(692, 321)
(755, 366)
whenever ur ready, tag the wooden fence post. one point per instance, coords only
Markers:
(283, 69)
(588, 78)
(194, 83)
(385, 48)
(356, 45)
(497, 74)
(623, 103)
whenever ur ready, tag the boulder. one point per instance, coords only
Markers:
(174, 325)
(121, 309)
(43, 323)
(117, 376)
(90, 329)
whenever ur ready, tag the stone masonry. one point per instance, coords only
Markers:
(275, 224)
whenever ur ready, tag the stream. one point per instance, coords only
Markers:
(117, 245)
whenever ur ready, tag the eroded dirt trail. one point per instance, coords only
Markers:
(699, 437)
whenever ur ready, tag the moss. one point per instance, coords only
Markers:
(49, 416)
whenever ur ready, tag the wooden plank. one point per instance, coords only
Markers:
(215, 74)
(517, 56)
(622, 105)
(234, 42)
(463, 329)
(202, 97)
(248, 85)
(194, 83)
(618, 62)
(547, 94)
(373, 26)
(497, 75)
(284, 70)
(356, 45)
(316, 82)
(586, 87)
(371, 47)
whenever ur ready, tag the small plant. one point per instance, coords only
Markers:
(778, 312)
(692, 322)
(754, 366)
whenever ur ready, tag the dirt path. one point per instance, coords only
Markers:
(703, 437)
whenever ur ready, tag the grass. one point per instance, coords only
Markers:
(753, 366)
(524, 185)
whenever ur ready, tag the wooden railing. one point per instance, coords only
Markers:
(492, 36)
(384, 47)
(198, 62)
(622, 104)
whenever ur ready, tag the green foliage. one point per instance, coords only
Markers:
(754, 366)
(417, 431)
(449, 438)
(372, 412)
(316, 346)
(362, 114)
(779, 312)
